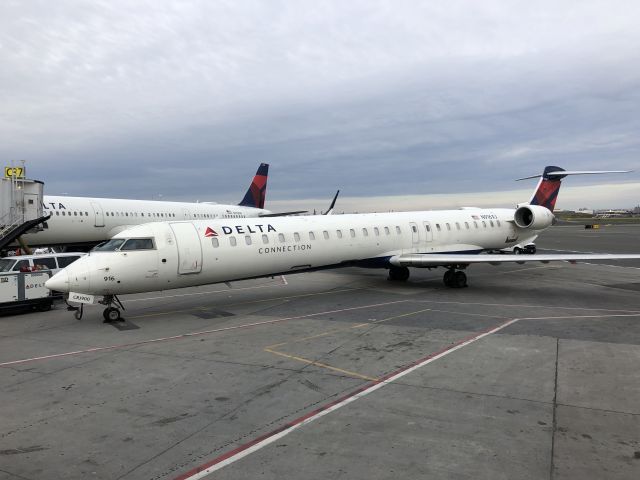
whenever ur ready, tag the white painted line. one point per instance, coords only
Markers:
(194, 334)
(261, 442)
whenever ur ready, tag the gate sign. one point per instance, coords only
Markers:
(17, 172)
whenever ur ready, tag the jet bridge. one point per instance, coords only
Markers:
(21, 207)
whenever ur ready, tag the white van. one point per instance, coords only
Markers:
(34, 263)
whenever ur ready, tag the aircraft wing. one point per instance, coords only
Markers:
(283, 214)
(446, 260)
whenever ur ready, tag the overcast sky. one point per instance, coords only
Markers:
(416, 103)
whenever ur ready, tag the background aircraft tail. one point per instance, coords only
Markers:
(257, 191)
(546, 193)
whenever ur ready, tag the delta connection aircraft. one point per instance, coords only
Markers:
(82, 221)
(166, 255)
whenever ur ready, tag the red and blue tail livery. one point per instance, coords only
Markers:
(257, 192)
(546, 192)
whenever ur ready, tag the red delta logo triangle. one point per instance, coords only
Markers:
(210, 232)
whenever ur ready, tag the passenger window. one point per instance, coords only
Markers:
(75, 214)
(414, 229)
(339, 233)
(376, 230)
(491, 222)
(386, 231)
(365, 233)
(484, 224)
(427, 228)
(312, 236)
(466, 225)
(66, 261)
(476, 224)
(281, 237)
(398, 231)
(296, 236)
(448, 226)
(232, 241)
(325, 234)
(457, 226)
(352, 232)
(265, 239)
(438, 227)
(498, 222)
(138, 244)
(214, 242)
(247, 239)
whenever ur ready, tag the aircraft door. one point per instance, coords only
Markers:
(189, 248)
(31, 203)
(428, 232)
(186, 214)
(98, 214)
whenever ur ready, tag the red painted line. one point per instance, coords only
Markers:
(263, 440)
(192, 334)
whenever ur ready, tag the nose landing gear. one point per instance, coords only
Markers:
(455, 278)
(111, 313)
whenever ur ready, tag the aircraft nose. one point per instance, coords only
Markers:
(59, 282)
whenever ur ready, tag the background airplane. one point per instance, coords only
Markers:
(85, 221)
(166, 255)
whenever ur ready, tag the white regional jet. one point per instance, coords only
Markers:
(80, 221)
(166, 255)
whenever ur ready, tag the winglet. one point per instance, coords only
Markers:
(333, 204)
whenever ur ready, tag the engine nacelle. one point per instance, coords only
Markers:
(533, 217)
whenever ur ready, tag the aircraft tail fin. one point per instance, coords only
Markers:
(257, 192)
(546, 192)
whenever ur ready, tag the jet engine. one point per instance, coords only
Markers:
(533, 217)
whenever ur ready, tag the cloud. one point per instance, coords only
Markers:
(184, 99)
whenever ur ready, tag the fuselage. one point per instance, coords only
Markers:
(87, 221)
(167, 255)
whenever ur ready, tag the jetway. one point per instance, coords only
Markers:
(21, 205)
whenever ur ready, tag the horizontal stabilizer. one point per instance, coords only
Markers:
(583, 172)
(447, 260)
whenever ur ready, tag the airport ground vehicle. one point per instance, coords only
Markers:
(25, 290)
(34, 263)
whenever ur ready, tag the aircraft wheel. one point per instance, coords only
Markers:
(448, 278)
(460, 279)
(111, 314)
(517, 250)
(400, 274)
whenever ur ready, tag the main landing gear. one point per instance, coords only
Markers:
(111, 313)
(455, 278)
(398, 274)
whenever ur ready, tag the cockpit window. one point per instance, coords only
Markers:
(110, 246)
(138, 244)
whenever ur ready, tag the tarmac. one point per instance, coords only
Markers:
(532, 372)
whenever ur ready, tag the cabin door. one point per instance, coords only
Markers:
(189, 248)
(98, 214)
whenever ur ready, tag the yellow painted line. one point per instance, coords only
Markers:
(271, 348)
(322, 365)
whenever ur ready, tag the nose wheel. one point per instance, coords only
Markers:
(111, 313)
(455, 278)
